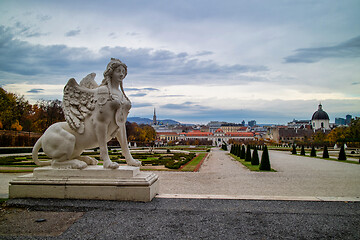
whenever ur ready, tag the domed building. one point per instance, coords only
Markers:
(320, 119)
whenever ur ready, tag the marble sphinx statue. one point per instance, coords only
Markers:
(94, 115)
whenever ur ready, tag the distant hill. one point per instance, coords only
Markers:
(168, 121)
(140, 120)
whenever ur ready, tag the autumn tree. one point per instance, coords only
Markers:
(353, 133)
(140, 133)
(10, 108)
(337, 134)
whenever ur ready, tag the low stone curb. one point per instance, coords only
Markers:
(255, 197)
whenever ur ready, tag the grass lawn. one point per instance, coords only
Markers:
(190, 167)
(249, 166)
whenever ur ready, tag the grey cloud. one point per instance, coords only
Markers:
(204, 53)
(27, 31)
(140, 91)
(132, 33)
(164, 96)
(145, 64)
(141, 105)
(175, 106)
(72, 33)
(347, 49)
(355, 83)
(151, 89)
(43, 18)
(189, 106)
(112, 35)
(138, 95)
(36, 90)
(132, 89)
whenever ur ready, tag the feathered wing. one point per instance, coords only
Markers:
(89, 81)
(79, 101)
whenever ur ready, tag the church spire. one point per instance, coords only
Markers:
(154, 118)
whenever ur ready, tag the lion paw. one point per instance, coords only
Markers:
(134, 163)
(79, 165)
(70, 164)
(111, 165)
(88, 160)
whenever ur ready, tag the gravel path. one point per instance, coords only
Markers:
(296, 176)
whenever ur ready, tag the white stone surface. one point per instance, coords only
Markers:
(94, 115)
(96, 172)
(124, 183)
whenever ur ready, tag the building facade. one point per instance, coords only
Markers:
(217, 138)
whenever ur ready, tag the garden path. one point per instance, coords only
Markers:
(295, 176)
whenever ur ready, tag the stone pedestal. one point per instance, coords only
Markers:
(93, 182)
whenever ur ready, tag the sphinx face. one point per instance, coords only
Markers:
(119, 74)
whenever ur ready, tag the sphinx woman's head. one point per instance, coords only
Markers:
(115, 70)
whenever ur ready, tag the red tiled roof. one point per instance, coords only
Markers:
(219, 130)
(198, 133)
(240, 134)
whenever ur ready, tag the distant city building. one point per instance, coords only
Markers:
(233, 127)
(320, 119)
(167, 136)
(340, 121)
(217, 138)
(251, 123)
(283, 134)
(299, 123)
(214, 125)
(348, 120)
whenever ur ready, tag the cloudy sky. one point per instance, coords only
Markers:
(195, 61)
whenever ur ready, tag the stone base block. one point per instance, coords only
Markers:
(94, 182)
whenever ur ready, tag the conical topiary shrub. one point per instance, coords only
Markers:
(342, 154)
(325, 152)
(255, 157)
(238, 150)
(242, 152)
(265, 161)
(248, 154)
(293, 150)
(302, 152)
(313, 152)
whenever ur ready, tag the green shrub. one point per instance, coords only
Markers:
(248, 154)
(232, 149)
(120, 161)
(238, 150)
(146, 162)
(10, 150)
(265, 161)
(255, 157)
(313, 152)
(302, 152)
(325, 152)
(242, 152)
(342, 154)
(15, 160)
